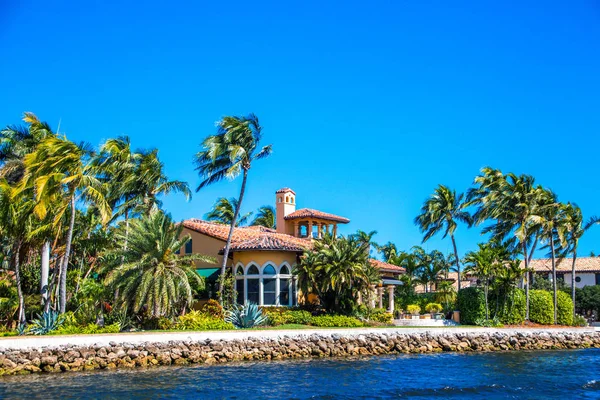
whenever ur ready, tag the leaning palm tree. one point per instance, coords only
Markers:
(223, 212)
(574, 230)
(266, 217)
(228, 154)
(58, 167)
(441, 213)
(152, 274)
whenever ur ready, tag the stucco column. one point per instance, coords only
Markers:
(310, 232)
(390, 289)
(277, 291)
(372, 296)
(380, 293)
(334, 230)
(260, 292)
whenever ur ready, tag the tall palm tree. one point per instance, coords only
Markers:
(574, 230)
(266, 217)
(512, 203)
(431, 266)
(152, 274)
(441, 213)
(228, 154)
(388, 251)
(59, 166)
(223, 212)
(366, 238)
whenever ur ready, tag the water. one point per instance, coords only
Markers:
(529, 375)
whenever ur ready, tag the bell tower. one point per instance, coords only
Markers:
(285, 204)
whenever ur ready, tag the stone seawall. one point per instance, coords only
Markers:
(253, 346)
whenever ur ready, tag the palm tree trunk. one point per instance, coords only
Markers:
(45, 273)
(21, 311)
(487, 312)
(457, 261)
(229, 236)
(65, 263)
(553, 276)
(573, 278)
(526, 260)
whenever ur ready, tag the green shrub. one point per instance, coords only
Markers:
(86, 329)
(541, 307)
(564, 305)
(282, 315)
(165, 323)
(381, 315)
(490, 323)
(512, 308)
(471, 304)
(433, 308)
(300, 317)
(275, 317)
(579, 321)
(587, 300)
(413, 309)
(197, 321)
(335, 321)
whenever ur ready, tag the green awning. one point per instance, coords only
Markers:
(208, 273)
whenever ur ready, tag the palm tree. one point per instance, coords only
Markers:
(442, 212)
(266, 217)
(58, 167)
(431, 265)
(228, 154)
(223, 212)
(152, 274)
(388, 251)
(574, 230)
(366, 238)
(512, 202)
(484, 264)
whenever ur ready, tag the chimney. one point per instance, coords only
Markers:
(285, 204)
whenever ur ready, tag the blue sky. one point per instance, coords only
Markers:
(368, 105)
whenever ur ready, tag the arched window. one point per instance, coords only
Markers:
(279, 199)
(253, 270)
(239, 271)
(253, 285)
(292, 200)
(269, 270)
(284, 270)
(239, 284)
(188, 247)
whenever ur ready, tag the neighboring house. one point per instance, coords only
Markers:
(264, 258)
(587, 269)
(467, 281)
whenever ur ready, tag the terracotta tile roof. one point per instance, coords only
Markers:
(249, 237)
(285, 190)
(310, 213)
(583, 264)
(386, 266)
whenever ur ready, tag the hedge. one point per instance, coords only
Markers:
(512, 309)
(565, 308)
(541, 307)
(335, 321)
(471, 304)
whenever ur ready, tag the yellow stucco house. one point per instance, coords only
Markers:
(263, 258)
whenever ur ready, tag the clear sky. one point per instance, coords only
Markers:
(368, 104)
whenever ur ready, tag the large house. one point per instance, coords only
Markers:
(263, 259)
(587, 269)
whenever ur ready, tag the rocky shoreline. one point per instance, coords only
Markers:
(253, 347)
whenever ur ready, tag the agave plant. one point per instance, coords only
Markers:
(46, 323)
(247, 316)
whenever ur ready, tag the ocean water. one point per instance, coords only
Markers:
(567, 374)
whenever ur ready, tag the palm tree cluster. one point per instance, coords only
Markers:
(336, 270)
(62, 204)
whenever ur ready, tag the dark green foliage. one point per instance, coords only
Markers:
(471, 304)
(587, 300)
(282, 316)
(541, 307)
(511, 308)
(564, 309)
(198, 321)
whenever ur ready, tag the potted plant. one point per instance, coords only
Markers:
(434, 309)
(414, 310)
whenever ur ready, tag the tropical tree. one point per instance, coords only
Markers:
(431, 265)
(228, 154)
(223, 212)
(512, 203)
(152, 274)
(484, 264)
(441, 213)
(59, 167)
(388, 251)
(266, 216)
(336, 270)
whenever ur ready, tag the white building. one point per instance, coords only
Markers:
(587, 269)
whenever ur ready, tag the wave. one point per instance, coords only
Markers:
(593, 384)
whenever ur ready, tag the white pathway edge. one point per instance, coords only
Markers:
(38, 342)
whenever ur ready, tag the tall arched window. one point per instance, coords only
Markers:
(239, 284)
(284, 286)
(253, 285)
(269, 281)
